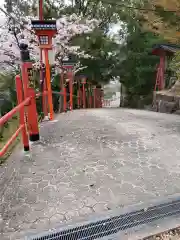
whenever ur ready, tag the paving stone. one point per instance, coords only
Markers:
(39, 206)
(43, 224)
(31, 198)
(100, 207)
(89, 201)
(85, 211)
(57, 218)
(89, 161)
(71, 214)
(42, 184)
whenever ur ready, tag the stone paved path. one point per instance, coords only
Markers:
(88, 162)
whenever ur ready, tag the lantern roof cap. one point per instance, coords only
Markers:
(169, 49)
(49, 25)
(43, 21)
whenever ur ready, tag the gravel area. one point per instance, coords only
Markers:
(170, 235)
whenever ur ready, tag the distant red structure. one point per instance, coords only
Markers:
(162, 50)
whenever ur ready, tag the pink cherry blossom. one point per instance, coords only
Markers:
(67, 27)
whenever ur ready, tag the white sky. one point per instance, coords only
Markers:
(1, 2)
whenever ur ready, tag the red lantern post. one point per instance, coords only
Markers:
(70, 79)
(45, 30)
(68, 65)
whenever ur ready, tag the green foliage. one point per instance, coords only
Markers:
(7, 102)
(137, 67)
(101, 67)
(175, 64)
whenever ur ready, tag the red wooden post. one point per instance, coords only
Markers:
(81, 99)
(99, 90)
(61, 84)
(160, 78)
(41, 9)
(162, 68)
(70, 77)
(94, 93)
(61, 93)
(87, 95)
(84, 92)
(22, 118)
(44, 97)
(48, 82)
(42, 77)
(101, 98)
(98, 97)
(31, 109)
(71, 95)
(78, 94)
(90, 96)
(78, 98)
(157, 78)
(64, 102)
(84, 96)
(28, 83)
(32, 116)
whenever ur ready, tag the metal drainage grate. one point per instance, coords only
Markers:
(115, 224)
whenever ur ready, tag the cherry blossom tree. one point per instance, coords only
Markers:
(13, 32)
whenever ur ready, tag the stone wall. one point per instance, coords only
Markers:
(166, 102)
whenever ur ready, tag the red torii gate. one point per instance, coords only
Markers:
(162, 50)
